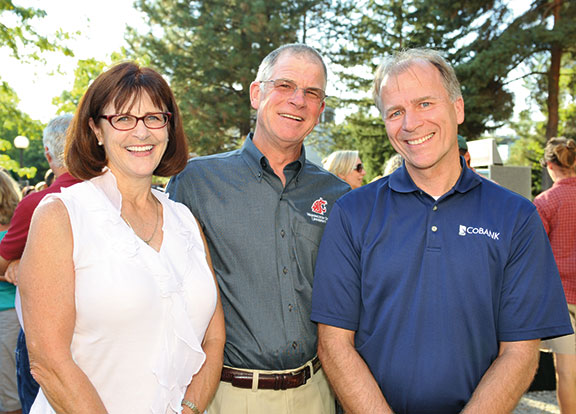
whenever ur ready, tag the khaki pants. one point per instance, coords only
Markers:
(564, 344)
(314, 397)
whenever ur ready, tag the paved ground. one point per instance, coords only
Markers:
(538, 402)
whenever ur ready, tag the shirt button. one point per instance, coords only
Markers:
(282, 233)
(285, 270)
(435, 208)
(290, 307)
(294, 345)
(434, 228)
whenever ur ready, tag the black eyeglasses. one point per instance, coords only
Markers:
(359, 168)
(126, 122)
(289, 88)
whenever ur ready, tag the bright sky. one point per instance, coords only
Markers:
(102, 24)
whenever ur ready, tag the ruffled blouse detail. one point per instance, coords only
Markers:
(181, 355)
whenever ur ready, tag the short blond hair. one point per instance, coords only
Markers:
(400, 61)
(340, 163)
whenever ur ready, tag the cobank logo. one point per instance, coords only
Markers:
(464, 230)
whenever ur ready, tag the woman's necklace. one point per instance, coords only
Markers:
(155, 225)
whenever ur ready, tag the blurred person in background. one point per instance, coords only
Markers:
(49, 177)
(124, 316)
(12, 246)
(41, 185)
(28, 189)
(392, 164)
(557, 208)
(9, 327)
(347, 166)
(463, 149)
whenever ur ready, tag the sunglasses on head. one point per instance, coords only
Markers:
(359, 168)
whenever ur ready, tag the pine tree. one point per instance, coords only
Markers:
(210, 51)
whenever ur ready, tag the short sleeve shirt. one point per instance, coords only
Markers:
(557, 208)
(263, 238)
(431, 287)
(13, 244)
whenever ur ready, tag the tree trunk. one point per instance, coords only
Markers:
(553, 91)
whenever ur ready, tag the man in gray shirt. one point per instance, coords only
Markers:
(263, 209)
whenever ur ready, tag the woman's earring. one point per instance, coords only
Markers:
(100, 143)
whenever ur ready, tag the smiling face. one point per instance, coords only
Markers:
(135, 153)
(421, 120)
(284, 121)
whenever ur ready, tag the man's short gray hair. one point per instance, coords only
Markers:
(54, 138)
(297, 49)
(400, 61)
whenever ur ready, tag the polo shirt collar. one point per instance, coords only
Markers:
(256, 161)
(468, 178)
(400, 181)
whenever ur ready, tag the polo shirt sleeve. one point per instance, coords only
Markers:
(336, 294)
(13, 244)
(533, 304)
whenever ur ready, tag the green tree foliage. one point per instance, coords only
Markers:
(366, 134)
(367, 30)
(17, 31)
(86, 71)
(210, 51)
(537, 35)
(13, 123)
(482, 39)
(528, 150)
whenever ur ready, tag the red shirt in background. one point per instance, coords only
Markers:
(13, 244)
(557, 208)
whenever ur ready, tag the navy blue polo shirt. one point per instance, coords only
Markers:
(432, 286)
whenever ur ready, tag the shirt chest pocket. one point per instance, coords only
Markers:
(306, 241)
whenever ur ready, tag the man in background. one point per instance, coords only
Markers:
(12, 246)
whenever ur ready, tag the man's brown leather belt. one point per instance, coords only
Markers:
(243, 379)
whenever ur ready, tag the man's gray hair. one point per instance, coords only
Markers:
(54, 138)
(400, 61)
(297, 49)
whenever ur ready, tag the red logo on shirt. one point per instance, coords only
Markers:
(319, 206)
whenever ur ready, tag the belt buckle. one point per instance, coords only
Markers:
(280, 382)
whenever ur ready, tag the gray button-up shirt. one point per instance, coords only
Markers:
(263, 239)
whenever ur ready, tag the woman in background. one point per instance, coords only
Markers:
(10, 195)
(347, 166)
(557, 208)
(120, 305)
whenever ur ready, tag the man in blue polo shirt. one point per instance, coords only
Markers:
(433, 286)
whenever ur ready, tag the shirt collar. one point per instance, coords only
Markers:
(256, 161)
(565, 181)
(400, 181)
